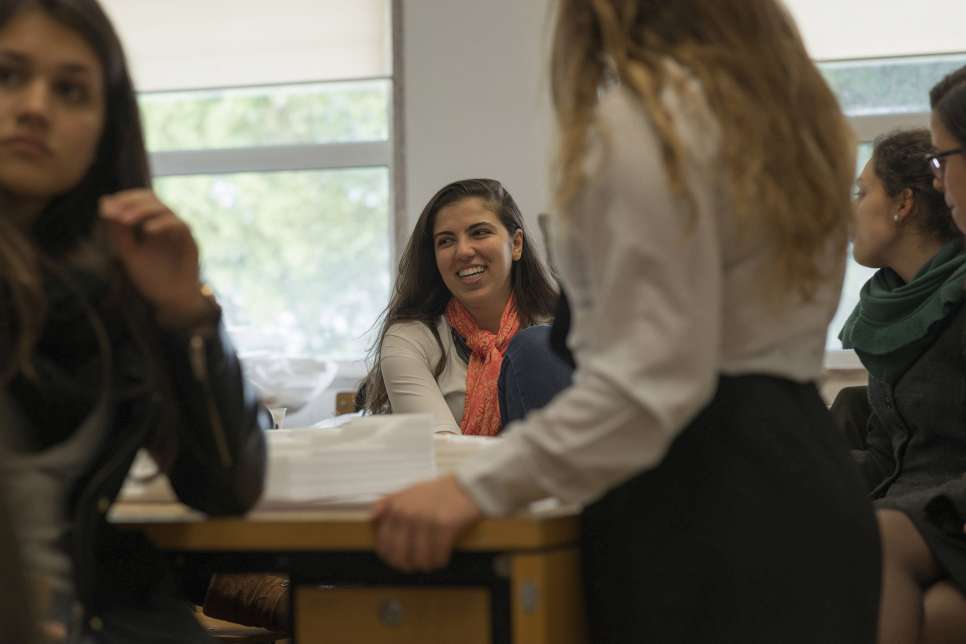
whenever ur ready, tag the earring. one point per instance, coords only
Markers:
(895, 218)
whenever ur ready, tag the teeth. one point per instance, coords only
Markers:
(473, 270)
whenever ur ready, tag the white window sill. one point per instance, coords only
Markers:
(842, 360)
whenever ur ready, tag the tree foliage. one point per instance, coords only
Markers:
(300, 260)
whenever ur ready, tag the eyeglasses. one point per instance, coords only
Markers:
(938, 161)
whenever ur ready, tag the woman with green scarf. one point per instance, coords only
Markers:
(908, 327)
(909, 330)
(921, 525)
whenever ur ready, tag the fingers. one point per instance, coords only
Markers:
(131, 206)
(142, 211)
(393, 541)
(141, 214)
(417, 528)
(430, 546)
(410, 542)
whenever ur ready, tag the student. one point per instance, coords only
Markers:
(924, 569)
(704, 187)
(908, 327)
(462, 337)
(108, 342)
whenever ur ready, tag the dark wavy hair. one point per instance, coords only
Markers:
(899, 160)
(420, 293)
(120, 163)
(948, 100)
(66, 236)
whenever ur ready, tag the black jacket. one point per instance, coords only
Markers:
(218, 465)
(916, 438)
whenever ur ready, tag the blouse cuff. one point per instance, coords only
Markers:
(503, 481)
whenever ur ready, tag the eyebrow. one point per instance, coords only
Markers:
(68, 67)
(14, 57)
(470, 228)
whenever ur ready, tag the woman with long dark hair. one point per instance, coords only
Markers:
(109, 343)
(462, 338)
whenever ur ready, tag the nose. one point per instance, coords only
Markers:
(937, 180)
(464, 249)
(34, 104)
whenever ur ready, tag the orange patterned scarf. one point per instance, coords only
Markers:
(481, 412)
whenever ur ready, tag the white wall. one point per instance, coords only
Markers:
(187, 44)
(476, 98)
(836, 29)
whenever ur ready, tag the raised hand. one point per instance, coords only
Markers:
(158, 252)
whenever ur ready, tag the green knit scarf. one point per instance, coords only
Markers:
(894, 322)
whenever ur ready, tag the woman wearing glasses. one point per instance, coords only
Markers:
(924, 569)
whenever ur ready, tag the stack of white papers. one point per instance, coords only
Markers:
(353, 461)
(453, 449)
(356, 462)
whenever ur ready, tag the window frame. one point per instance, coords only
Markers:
(386, 153)
(866, 128)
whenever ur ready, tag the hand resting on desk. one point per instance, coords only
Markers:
(417, 528)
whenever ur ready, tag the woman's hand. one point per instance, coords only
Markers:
(158, 252)
(416, 528)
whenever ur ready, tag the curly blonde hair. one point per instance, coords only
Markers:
(787, 148)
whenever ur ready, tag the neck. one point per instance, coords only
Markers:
(913, 256)
(488, 315)
(21, 211)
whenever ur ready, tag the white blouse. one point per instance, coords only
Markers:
(409, 355)
(664, 300)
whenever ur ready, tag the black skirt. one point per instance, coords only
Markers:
(755, 528)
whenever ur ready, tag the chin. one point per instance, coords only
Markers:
(864, 260)
(472, 297)
(28, 187)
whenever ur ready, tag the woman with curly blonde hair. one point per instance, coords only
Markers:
(704, 189)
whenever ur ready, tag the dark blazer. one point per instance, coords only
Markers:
(916, 435)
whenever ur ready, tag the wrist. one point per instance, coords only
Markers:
(196, 310)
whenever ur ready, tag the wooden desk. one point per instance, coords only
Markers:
(514, 580)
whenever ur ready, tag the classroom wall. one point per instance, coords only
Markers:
(833, 29)
(476, 98)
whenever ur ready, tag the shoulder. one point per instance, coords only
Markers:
(628, 124)
(414, 336)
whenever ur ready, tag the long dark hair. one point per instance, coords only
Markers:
(948, 100)
(66, 234)
(420, 293)
(120, 163)
(899, 160)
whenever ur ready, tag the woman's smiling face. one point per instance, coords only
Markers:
(475, 253)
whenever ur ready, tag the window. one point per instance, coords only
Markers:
(891, 86)
(270, 132)
(287, 189)
(878, 96)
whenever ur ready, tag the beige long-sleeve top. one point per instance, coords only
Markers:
(664, 300)
(409, 355)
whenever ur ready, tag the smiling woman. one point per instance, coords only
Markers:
(463, 336)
